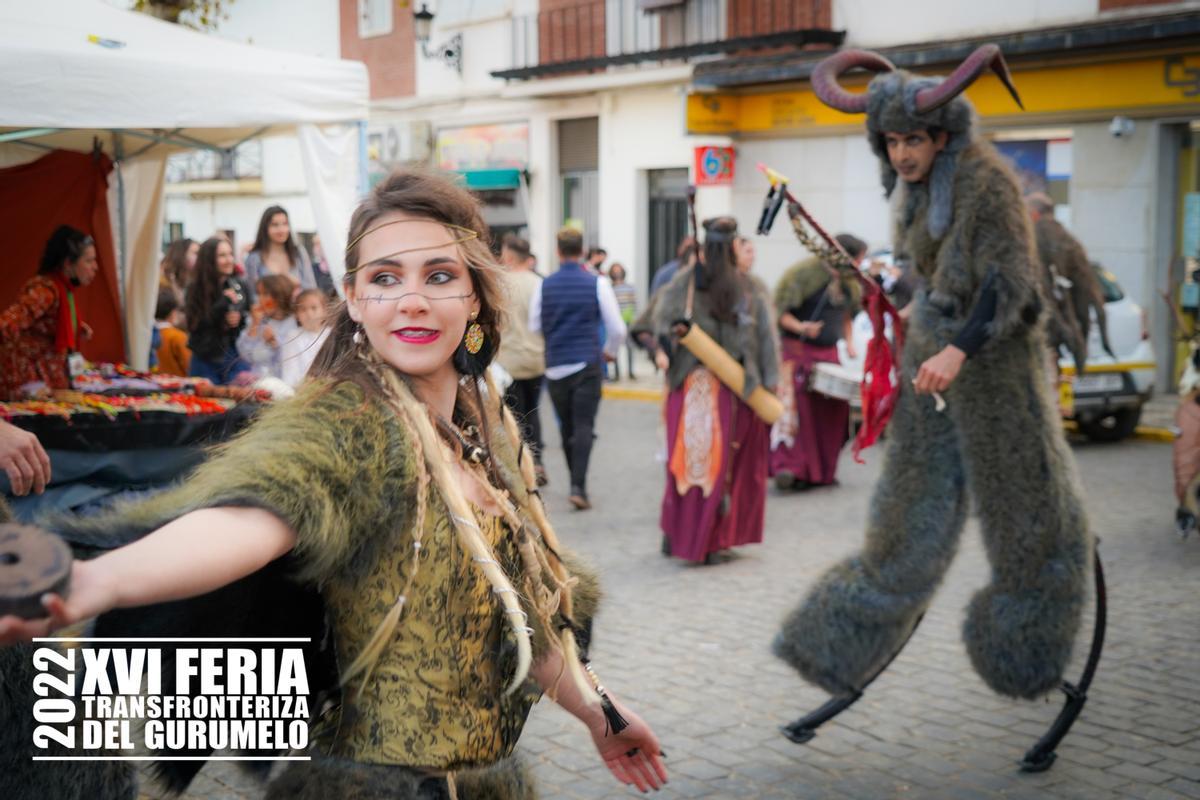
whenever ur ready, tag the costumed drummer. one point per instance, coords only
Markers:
(997, 448)
(716, 488)
(40, 331)
(398, 487)
(816, 308)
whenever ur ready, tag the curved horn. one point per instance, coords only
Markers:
(985, 56)
(825, 78)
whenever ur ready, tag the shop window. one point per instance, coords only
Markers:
(1042, 161)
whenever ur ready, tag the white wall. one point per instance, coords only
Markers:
(486, 47)
(837, 180)
(1113, 194)
(204, 216)
(642, 129)
(880, 23)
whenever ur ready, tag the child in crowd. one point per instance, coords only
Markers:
(627, 302)
(171, 347)
(296, 355)
(271, 325)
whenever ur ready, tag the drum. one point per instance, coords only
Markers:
(836, 381)
(32, 563)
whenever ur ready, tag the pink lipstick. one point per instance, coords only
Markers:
(416, 335)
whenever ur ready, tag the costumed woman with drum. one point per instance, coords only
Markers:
(717, 445)
(396, 491)
(816, 309)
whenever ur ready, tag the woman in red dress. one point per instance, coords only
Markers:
(41, 328)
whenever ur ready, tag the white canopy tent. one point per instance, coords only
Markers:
(80, 70)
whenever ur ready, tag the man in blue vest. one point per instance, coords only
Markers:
(568, 310)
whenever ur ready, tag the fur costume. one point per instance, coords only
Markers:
(998, 444)
(354, 467)
(1063, 258)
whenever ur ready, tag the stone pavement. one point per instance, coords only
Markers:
(687, 646)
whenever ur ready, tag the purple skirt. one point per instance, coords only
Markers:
(809, 445)
(731, 449)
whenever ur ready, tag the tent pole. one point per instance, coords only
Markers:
(122, 236)
(363, 180)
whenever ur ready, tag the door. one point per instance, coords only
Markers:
(667, 215)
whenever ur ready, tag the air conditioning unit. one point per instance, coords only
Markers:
(395, 143)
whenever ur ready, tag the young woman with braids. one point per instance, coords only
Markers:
(400, 489)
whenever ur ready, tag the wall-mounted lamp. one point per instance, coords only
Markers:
(449, 51)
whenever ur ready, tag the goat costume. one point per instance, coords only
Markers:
(1076, 290)
(999, 440)
(340, 469)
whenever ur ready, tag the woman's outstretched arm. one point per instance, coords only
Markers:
(197, 553)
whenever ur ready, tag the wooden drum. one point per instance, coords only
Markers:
(32, 563)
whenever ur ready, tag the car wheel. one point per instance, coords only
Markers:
(1112, 427)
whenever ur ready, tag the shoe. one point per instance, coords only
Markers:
(579, 499)
(785, 480)
(539, 472)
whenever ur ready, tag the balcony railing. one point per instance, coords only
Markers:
(591, 35)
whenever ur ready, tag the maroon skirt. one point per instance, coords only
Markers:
(808, 443)
(717, 449)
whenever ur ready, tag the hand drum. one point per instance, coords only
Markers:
(32, 563)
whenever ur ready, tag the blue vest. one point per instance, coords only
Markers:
(571, 316)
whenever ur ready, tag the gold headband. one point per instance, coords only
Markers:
(467, 235)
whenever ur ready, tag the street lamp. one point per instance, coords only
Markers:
(449, 51)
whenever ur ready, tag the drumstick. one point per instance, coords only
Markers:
(939, 402)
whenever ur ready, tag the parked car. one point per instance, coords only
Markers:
(1108, 397)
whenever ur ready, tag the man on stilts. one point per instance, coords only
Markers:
(974, 337)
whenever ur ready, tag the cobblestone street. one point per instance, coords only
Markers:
(687, 646)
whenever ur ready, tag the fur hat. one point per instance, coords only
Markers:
(892, 106)
(900, 101)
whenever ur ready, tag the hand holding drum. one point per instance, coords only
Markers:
(33, 563)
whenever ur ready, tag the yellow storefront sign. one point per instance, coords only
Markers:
(1151, 85)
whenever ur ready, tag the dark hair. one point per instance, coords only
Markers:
(596, 251)
(620, 266)
(517, 245)
(262, 241)
(175, 262)
(570, 242)
(428, 195)
(168, 301)
(279, 288)
(853, 245)
(206, 284)
(717, 272)
(65, 245)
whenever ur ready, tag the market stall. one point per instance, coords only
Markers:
(118, 431)
(119, 91)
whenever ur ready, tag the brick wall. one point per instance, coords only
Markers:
(390, 59)
(570, 29)
(758, 17)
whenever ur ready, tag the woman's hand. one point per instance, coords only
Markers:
(85, 332)
(22, 457)
(633, 755)
(268, 336)
(661, 360)
(938, 372)
(851, 350)
(92, 593)
(233, 318)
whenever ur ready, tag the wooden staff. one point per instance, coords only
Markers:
(729, 372)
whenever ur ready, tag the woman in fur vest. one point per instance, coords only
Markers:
(716, 491)
(401, 491)
(973, 338)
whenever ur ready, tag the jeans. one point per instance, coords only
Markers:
(230, 366)
(522, 397)
(576, 399)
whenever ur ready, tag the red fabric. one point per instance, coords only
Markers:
(880, 390)
(64, 326)
(28, 330)
(63, 188)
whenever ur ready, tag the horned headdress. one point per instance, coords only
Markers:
(899, 101)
